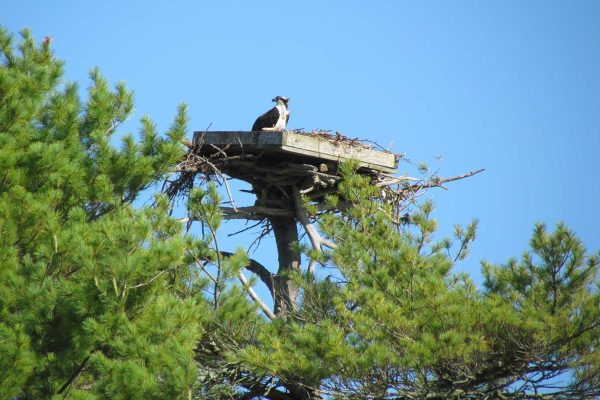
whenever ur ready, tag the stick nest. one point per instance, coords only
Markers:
(274, 179)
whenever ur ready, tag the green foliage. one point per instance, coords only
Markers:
(98, 299)
(103, 299)
(395, 322)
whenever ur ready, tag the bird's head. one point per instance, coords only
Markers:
(281, 99)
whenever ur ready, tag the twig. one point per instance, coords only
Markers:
(145, 283)
(219, 266)
(203, 267)
(246, 229)
(256, 242)
(222, 176)
(229, 193)
(219, 150)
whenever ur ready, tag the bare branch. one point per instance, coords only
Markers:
(302, 216)
(328, 243)
(312, 265)
(254, 296)
(246, 228)
(394, 180)
(440, 182)
(315, 238)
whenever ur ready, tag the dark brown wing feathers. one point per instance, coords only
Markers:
(267, 120)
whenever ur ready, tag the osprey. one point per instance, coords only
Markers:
(276, 118)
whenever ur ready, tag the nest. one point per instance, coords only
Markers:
(282, 184)
(275, 180)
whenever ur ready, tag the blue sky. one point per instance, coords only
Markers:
(510, 86)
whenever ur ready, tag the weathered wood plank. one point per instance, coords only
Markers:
(288, 142)
(323, 148)
(237, 137)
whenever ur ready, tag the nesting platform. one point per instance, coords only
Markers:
(287, 171)
(280, 166)
(297, 147)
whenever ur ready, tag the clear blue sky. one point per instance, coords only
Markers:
(510, 86)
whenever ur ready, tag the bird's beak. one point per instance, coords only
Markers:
(274, 99)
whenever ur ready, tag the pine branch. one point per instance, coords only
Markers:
(75, 374)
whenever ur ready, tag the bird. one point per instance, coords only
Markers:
(276, 118)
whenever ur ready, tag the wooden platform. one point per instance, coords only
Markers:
(290, 145)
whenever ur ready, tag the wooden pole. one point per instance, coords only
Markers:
(285, 293)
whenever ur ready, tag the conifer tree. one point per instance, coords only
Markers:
(395, 322)
(97, 296)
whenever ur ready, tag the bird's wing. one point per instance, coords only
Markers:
(287, 117)
(267, 120)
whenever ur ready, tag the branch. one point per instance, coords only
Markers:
(218, 172)
(315, 239)
(246, 228)
(219, 266)
(258, 269)
(265, 276)
(458, 177)
(440, 182)
(302, 216)
(228, 192)
(254, 296)
(394, 180)
(328, 243)
(75, 374)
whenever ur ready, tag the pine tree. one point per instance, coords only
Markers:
(395, 322)
(98, 298)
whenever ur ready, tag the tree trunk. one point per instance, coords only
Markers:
(285, 293)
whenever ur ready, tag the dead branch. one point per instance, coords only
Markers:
(302, 216)
(309, 228)
(328, 243)
(254, 296)
(246, 228)
(395, 180)
(316, 239)
(438, 182)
